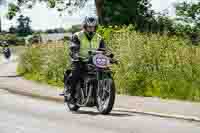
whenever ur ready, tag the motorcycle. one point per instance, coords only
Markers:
(7, 53)
(6, 50)
(96, 87)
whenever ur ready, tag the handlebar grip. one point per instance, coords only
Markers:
(114, 61)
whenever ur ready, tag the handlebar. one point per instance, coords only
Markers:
(114, 61)
(109, 54)
(94, 52)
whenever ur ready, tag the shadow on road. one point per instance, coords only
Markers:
(113, 114)
(11, 76)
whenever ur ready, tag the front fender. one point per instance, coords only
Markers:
(104, 74)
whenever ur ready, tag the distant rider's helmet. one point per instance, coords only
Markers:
(5, 44)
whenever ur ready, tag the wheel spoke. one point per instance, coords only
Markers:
(104, 91)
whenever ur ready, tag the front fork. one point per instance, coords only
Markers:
(101, 76)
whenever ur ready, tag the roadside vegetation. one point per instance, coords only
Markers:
(158, 54)
(45, 63)
(150, 64)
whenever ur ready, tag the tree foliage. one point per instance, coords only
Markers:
(13, 9)
(122, 12)
(189, 16)
(23, 28)
(110, 12)
(189, 12)
(125, 12)
(138, 13)
(55, 30)
(60, 5)
(12, 30)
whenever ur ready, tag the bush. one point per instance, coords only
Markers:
(154, 65)
(34, 39)
(74, 28)
(12, 39)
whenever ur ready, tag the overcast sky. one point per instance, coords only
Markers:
(44, 18)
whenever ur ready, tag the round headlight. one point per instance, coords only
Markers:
(100, 60)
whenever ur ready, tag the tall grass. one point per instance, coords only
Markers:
(154, 65)
(150, 65)
(45, 63)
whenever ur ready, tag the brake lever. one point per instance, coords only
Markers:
(114, 61)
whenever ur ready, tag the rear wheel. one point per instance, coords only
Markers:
(105, 96)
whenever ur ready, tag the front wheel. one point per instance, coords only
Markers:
(105, 96)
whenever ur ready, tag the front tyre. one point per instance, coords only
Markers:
(105, 96)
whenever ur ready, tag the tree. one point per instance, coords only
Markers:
(12, 11)
(112, 11)
(115, 12)
(189, 12)
(12, 29)
(136, 12)
(129, 7)
(60, 5)
(49, 31)
(189, 17)
(127, 11)
(23, 28)
(59, 30)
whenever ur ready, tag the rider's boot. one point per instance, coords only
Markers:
(72, 93)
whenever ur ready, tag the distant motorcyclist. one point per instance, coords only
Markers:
(82, 42)
(6, 50)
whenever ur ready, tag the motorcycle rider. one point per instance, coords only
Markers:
(80, 43)
(6, 50)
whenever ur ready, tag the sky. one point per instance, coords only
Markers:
(45, 18)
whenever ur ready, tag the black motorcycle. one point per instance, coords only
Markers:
(96, 87)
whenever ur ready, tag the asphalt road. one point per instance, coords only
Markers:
(20, 114)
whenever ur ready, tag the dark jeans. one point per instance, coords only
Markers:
(77, 69)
